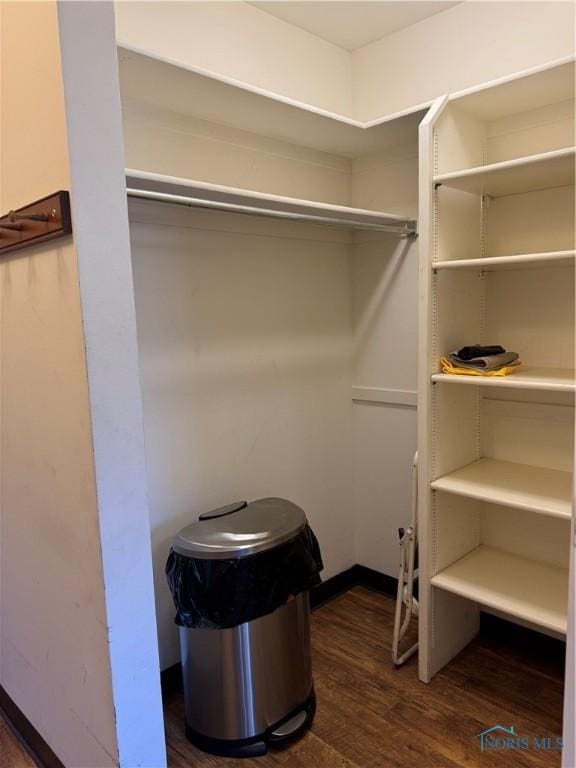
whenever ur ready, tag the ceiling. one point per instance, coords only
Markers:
(351, 25)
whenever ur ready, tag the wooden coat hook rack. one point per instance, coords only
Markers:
(35, 223)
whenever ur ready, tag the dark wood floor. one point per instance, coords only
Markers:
(12, 753)
(371, 715)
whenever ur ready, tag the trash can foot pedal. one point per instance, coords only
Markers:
(295, 724)
(258, 745)
(290, 726)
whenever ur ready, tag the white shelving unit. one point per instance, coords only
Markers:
(534, 489)
(496, 453)
(517, 586)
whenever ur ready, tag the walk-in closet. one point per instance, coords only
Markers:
(287, 384)
(264, 236)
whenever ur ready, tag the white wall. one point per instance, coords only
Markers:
(93, 114)
(385, 278)
(236, 40)
(245, 340)
(164, 142)
(469, 44)
(54, 660)
(466, 45)
(384, 284)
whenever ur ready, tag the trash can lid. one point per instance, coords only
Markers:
(241, 529)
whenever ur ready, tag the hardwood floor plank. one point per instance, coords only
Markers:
(12, 752)
(371, 738)
(534, 697)
(371, 715)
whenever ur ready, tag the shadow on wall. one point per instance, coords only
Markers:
(375, 288)
(386, 314)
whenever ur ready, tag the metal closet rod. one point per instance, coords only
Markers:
(403, 228)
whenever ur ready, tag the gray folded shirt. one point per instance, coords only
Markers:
(488, 363)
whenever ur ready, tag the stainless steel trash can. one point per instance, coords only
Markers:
(250, 685)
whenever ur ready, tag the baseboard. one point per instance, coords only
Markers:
(377, 581)
(356, 576)
(333, 587)
(33, 741)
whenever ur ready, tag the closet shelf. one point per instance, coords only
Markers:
(530, 590)
(525, 174)
(170, 189)
(516, 261)
(534, 489)
(550, 83)
(160, 83)
(548, 379)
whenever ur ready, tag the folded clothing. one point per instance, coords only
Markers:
(486, 362)
(448, 366)
(479, 360)
(477, 350)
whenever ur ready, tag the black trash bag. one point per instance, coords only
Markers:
(220, 594)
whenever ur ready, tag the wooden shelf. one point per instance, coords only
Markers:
(516, 261)
(165, 84)
(518, 586)
(547, 379)
(525, 174)
(201, 194)
(534, 489)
